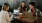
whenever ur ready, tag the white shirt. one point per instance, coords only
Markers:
(4, 17)
(0, 16)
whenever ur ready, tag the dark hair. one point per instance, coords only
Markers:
(0, 7)
(23, 2)
(24, 6)
(6, 4)
(32, 3)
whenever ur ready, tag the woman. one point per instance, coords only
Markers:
(4, 14)
(23, 7)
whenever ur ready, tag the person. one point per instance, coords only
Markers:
(4, 13)
(35, 12)
(23, 7)
(32, 8)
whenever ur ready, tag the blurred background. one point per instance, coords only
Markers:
(14, 4)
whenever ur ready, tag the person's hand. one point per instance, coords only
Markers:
(19, 8)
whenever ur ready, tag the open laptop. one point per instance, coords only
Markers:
(16, 11)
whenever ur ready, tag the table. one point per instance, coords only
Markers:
(32, 19)
(23, 19)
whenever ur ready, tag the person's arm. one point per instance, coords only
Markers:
(25, 9)
(7, 17)
(19, 9)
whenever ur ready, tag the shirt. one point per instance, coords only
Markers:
(36, 10)
(4, 16)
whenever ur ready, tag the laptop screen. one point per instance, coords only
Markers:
(16, 11)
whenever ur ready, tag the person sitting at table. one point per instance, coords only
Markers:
(32, 6)
(23, 7)
(35, 12)
(4, 13)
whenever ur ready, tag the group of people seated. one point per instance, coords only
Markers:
(32, 8)
(4, 15)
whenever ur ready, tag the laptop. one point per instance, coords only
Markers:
(16, 11)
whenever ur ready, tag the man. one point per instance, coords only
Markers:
(33, 9)
(35, 12)
(32, 6)
(4, 13)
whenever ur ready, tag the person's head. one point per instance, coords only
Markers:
(31, 5)
(5, 7)
(22, 4)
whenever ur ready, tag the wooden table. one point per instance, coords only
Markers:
(31, 19)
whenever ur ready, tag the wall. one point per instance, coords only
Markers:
(16, 3)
